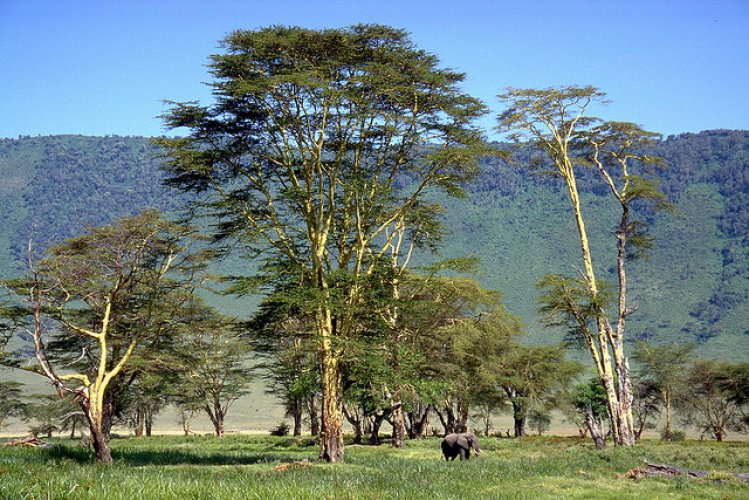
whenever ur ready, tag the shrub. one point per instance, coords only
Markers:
(281, 429)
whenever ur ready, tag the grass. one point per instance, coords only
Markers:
(243, 467)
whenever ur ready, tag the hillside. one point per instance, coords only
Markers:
(695, 286)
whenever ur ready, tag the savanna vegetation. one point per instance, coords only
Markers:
(266, 467)
(328, 180)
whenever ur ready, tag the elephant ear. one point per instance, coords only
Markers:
(463, 442)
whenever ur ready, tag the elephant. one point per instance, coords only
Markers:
(460, 445)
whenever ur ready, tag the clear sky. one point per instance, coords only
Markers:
(101, 67)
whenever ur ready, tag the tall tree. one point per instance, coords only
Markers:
(556, 121)
(99, 298)
(304, 151)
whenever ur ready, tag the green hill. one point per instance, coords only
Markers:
(695, 286)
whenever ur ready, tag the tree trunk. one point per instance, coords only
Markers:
(99, 424)
(218, 426)
(298, 416)
(718, 432)
(139, 422)
(186, 423)
(331, 431)
(462, 425)
(419, 418)
(314, 421)
(216, 415)
(618, 401)
(356, 422)
(358, 434)
(101, 444)
(667, 404)
(374, 437)
(149, 422)
(519, 426)
(398, 418)
(447, 420)
(519, 417)
(595, 429)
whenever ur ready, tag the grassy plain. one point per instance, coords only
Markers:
(245, 466)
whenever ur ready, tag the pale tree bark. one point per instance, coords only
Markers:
(50, 293)
(556, 119)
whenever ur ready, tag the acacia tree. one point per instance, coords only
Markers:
(283, 337)
(665, 368)
(213, 363)
(712, 399)
(107, 294)
(12, 404)
(534, 379)
(303, 153)
(555, 120)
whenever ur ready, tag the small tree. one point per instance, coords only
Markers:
(282, 337)
(589, 399)
(665, 368)
(214, 365)
(646, 406)
(709, 398)
(539, 419)
(534, 378)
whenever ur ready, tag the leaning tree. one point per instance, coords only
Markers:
(100, 299)
(556, 120)
(319, 146)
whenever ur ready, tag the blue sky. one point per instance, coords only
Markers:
(105, 67)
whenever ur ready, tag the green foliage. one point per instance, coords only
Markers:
(664, 366)
(59, 185)
(12, 404)
(504, 221)
(713, 397)
(591, 396)
(211, 356)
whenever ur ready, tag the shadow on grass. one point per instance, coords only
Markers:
(168, 457)
(61, 453)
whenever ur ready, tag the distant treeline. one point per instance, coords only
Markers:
(698, 274)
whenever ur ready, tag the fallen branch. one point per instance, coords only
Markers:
(28, 441)
(293, 465)
(664, 470)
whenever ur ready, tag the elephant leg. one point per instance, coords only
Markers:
(463, 454)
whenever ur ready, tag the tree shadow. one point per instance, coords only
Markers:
(62, 453)
(176, 457)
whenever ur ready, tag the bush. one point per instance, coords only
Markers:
(674, 436)
(281, 429)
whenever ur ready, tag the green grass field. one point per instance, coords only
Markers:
(242, 466)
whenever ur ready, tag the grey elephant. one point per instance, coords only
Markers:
(460, 444)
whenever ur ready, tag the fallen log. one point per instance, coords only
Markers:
(27, 441)
(664, 470)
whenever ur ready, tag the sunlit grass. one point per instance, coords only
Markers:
(243, 467)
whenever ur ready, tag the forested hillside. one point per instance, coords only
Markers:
(695, 286)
